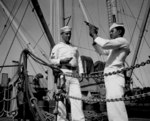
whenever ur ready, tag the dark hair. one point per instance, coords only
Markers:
(122, 30)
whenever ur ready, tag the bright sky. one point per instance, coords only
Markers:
(97, 13)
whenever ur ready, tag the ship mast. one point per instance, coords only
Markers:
(112, 11)
(43, 22)
(56, 20)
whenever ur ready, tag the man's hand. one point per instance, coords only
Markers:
(65, 60)
(93, 30)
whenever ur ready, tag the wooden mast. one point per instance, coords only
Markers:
(43, 22)
(112, 11)
(109, 12)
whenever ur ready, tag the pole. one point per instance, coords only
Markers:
(83, 11)
(114, 11)
(24, 76)
(43, 22)
(109, 12)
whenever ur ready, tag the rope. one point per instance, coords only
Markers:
(48, 116)
(15, 36)
(9, 66)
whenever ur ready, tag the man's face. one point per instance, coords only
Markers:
(66, 36)
(114, 33)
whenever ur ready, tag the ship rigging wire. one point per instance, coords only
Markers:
(136, 25)
(15, 35)
(6, 30)
(7, 21)
(42, 51)
(99, 25)
(36, 17)
(22, 49)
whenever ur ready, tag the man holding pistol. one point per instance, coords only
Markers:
(117, 49)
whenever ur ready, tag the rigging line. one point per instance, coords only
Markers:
(29, 59)
(43, 34)
(36, 17)
(10, 22)
(7, 55)
(137, 18)
(23, 48)
(138, 80)
(137, 23)
(128, 28)
(15, 36)
(138, 61)
(147, 42)
(42, 67)
(125, 14)
(135, 75)
(140, 49)
(126, 23)
(133, 72)
(146, 33)
(123, 18)
(134, 16)
(42, 31)
(39, 39)
(5, 25)
(41, 50)
(122, 12)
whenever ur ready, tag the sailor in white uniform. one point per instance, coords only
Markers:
(67, 58)
(117, 49)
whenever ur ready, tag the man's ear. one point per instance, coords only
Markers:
(119, 31)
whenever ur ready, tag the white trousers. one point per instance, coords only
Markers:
(76, 105)
(115, 89)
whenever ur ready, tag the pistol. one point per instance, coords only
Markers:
(88, 24)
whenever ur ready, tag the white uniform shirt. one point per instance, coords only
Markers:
(61, 51)
(117, 50)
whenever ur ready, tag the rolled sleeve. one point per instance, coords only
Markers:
(99, 50)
